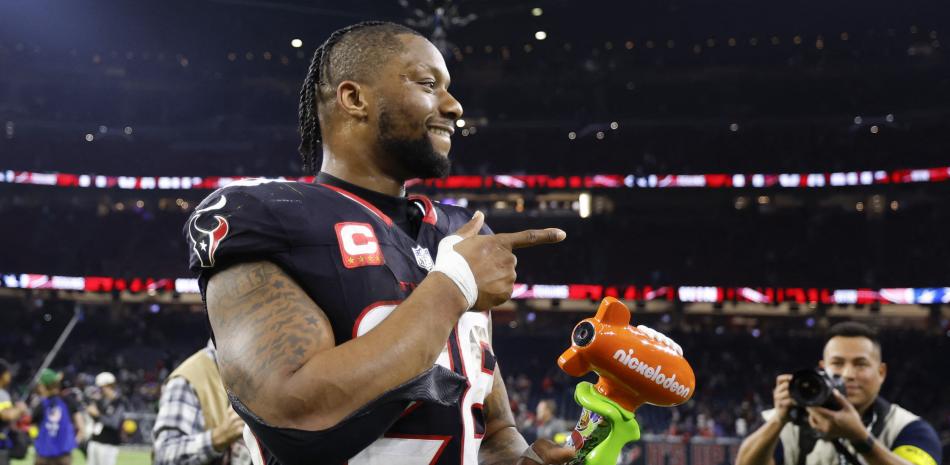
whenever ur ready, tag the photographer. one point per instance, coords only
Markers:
(108, 412)
(865, 426)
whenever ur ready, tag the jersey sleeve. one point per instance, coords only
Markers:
(919, 444)
(235, 224)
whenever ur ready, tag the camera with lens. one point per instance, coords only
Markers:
(813, 387)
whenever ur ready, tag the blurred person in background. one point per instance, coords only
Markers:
(107, 412)
(877, 431)
(10, 412)
(58, 419)
(196, 424)
(546, 423)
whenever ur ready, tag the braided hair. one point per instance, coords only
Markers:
(352, 52)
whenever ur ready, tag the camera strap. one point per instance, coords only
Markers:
(844, 455)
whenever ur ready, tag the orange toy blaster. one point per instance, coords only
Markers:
(636, 365)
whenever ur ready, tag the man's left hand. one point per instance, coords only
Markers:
(548, 452)
(845, 423)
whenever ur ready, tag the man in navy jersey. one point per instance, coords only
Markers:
(352, 322)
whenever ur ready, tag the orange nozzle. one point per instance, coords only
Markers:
(634, 369)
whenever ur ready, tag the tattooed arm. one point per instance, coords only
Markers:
(276, 348)
(503, 443)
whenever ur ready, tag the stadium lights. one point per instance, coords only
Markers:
(90, 137)
(128, 130)
(614, 125)
(460, 123)
(296, 43)
(572, 135)
(537, 12)
(733, 127)
(540, 35)
(583, 202)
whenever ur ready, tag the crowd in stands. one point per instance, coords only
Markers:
(815, 240)
(735, 362)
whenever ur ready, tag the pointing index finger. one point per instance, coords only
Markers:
(530, 238)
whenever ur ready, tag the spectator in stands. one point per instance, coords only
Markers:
(58, 419)
(866, 425)
(108, 412)
(10, 412)
(196, 424)
(546, 424)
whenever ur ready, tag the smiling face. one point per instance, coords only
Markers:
(415, 113)
(857, 361)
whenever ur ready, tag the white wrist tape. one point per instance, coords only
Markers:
(452, 264)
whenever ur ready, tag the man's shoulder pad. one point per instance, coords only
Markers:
(456, 217)
(250, 217)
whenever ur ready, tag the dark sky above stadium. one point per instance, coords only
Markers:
(213, 25)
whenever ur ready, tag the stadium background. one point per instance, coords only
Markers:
(743, 173)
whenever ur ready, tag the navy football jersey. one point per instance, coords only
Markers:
(348, 256)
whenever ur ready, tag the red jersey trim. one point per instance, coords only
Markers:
(431, 215)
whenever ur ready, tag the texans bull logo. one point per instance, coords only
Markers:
(205, 241)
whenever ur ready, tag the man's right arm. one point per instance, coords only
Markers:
(277, 352)
(276, 348)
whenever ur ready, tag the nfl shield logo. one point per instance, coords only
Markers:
(423, 259)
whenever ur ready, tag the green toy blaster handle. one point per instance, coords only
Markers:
(603, 429)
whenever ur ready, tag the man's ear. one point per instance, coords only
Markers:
(351, 98)
(882, 369)
(821, 364)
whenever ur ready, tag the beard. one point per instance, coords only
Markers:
(410, 157)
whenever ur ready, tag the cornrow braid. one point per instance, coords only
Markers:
(316, 84)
